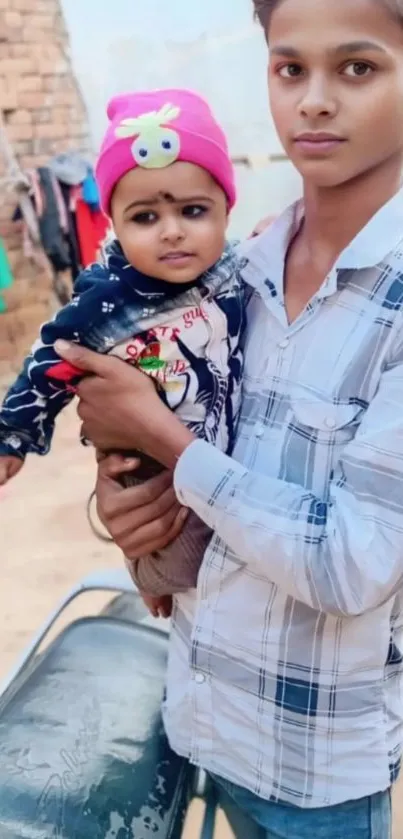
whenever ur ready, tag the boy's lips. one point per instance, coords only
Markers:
(317, 142)
(177, 257)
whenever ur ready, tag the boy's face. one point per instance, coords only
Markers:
(336, 86)
(171, 223)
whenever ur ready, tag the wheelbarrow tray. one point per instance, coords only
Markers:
(83, 753)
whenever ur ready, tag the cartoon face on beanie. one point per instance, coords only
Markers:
(155, 146)
(156, 129)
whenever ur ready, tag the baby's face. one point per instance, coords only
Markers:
(171, 222)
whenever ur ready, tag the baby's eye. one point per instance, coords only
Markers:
(290, 71)
(144, 218)
(194, 210)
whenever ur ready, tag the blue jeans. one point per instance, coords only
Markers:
(253, 818)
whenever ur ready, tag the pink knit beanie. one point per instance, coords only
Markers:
(156, 129)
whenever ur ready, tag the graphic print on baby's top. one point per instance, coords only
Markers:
(166, 352)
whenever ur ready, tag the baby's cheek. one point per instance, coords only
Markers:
(212, 242)
(140, 250)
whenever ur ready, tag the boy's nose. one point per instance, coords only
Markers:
(317, 101)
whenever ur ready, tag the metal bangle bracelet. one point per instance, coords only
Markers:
(95, 529)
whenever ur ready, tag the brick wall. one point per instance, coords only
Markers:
(44, 115)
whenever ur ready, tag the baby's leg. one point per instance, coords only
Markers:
(174, 569)
(159, 607)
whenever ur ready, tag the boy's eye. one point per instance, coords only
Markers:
(356, 69)
(144, 218)
(194, 211)
(290, 71)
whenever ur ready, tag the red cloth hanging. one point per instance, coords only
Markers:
(92, 227)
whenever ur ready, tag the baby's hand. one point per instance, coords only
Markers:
(9, 467)
(160, 607)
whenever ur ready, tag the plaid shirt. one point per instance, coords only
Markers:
(285, 668)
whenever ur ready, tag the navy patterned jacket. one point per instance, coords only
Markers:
(186, 337)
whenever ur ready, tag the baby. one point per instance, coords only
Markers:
(166, 297)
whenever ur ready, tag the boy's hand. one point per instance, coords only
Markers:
(141, 519)
(9, 467)
(120, 408)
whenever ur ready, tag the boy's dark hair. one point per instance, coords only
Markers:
(264, 9)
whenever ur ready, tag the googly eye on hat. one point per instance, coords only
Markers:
(156, 145)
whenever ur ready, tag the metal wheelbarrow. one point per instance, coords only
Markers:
(83, 753)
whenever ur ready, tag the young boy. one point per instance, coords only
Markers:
(285, 671)
(167, 299)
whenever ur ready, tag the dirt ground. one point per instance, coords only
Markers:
(47, 546)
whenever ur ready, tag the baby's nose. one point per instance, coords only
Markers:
(172, 229)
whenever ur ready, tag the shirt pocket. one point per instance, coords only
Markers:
(318, 432)
(326, 420)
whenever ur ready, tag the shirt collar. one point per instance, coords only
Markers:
(377, 239)
(263, 258)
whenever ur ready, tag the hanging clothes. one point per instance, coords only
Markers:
(90, 191)
(69, 168)
(74, 247)
(53, 223)
(87, 224)
(6, 276)
(66, 206)
(51, 215)
(92, 228)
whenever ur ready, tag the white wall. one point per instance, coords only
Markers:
(211, 46)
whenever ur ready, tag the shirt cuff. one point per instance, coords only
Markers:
(205, 480)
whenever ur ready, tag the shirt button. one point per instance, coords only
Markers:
(199, 678)
(330, 422)
(284, 344)
(259, 429)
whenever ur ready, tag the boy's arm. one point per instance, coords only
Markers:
(342, 554)
(30, 407)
